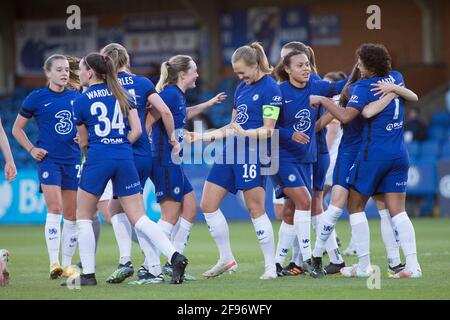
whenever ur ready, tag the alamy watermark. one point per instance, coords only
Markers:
(229, 149)
(374, 20)
(73, 22)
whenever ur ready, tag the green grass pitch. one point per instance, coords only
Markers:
(29, 269)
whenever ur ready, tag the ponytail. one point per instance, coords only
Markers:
(163, 78)
(171, 69)
(263, 62)
(251, 55)
(312, 59)
(105, 69)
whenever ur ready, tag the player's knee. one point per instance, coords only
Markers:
(54, 207)
(207, 207)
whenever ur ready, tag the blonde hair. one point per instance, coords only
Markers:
(49, 62)
(118, 54)
(253, 54)
(171, 69)
(74, 79)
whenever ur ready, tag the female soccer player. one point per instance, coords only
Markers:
(103, 113)
(294, 178)
(287, 230)
(58, 157)
(10, 167)
(257, 104)
(174, 193)
(381, 166)
(142, 92)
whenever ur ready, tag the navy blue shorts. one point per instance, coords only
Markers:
(379, 176)
(65, 176)
(123, 175)
(344, 162)
(144, 168)
(320, 169)
(291, 175)
(234, 177)
(170, 181)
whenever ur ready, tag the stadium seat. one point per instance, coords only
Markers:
(430, 148)
(441, 118)
(413, 149)
(446, 151)
(437, 133)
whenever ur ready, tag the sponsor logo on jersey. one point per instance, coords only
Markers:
(394, 126)
(354, 98)
(112, 140)
(276, 98)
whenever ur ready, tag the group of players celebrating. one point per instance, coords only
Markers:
(103, 131)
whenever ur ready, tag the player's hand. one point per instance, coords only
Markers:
(300, 137)
(315, 101)
(383, 88)
(77, 139)
(237, 129)
(10, 171)
(191, 137)
(176, 146)
(38, 153)
(217, 99)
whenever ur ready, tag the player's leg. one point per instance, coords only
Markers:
(254, 200)
(361, 234)
(134, 207)
(122, 231)
(389, 237)
(287, 238)
(212, 197)
(53, 201)
(395, 202)
(69, 238)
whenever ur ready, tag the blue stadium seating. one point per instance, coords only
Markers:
(437, 133)
(430, 148)
(440, 118)
(413, 149)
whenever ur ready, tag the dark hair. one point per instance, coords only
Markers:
(279, 72)
(345, 94)
(375, 58)
(74, 79)
(105, 69)
(335, 76)
(286, 62)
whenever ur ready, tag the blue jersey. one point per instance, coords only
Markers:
(53, 112)
(351, 136)
(176, 101)
(99, 110)
(298, 115)
(382, 137)
(139, 88)
(249, 100)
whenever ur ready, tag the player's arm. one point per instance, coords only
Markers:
(135, 126)
(215, 134)
(10, 167)
(194, 111)
(83, 137)
(270, 117)
(21, 137)
(151, 118)
(323, 121)
(385, 88)
(344, 115)
(332, 130)
(166, 115)
(374, 108)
